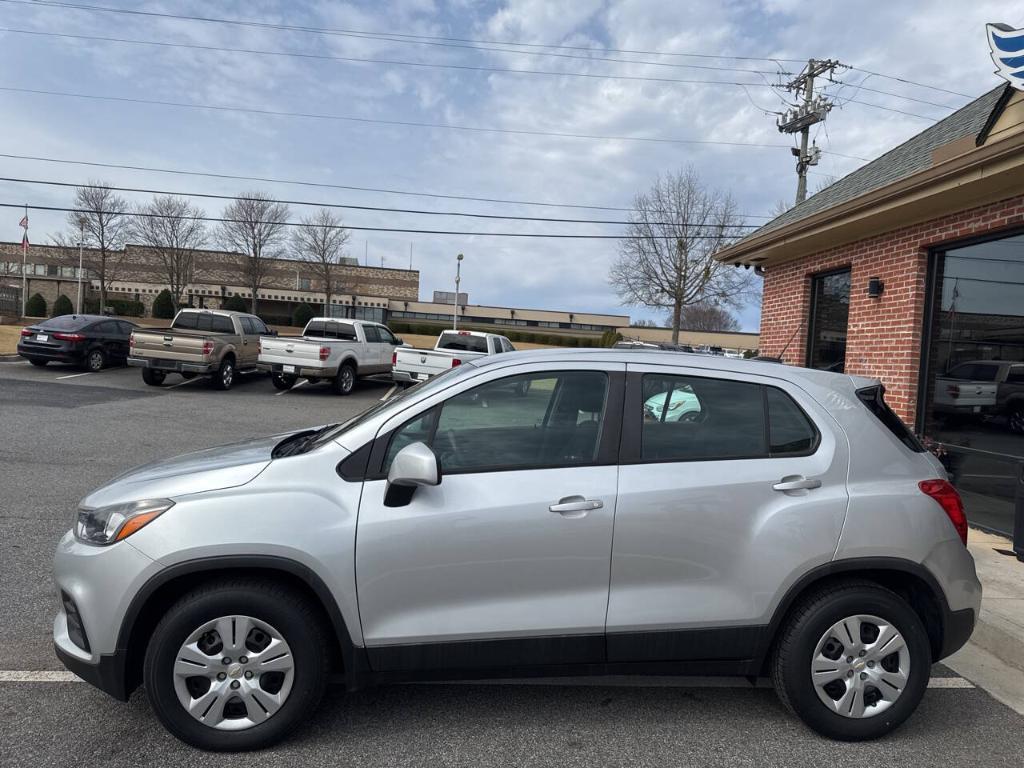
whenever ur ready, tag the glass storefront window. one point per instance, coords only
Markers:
(830, 313)
(972, 395)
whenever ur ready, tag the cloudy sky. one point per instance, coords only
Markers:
(607, 79)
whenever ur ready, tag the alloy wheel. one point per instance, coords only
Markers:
(233, 673)
(348, 379)
(860, 666)
(227, 375)
(95, 361)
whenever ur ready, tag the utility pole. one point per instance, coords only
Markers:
(802, 116)
(458, 275)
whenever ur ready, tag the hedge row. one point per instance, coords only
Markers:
(530, 337)
(121, 307)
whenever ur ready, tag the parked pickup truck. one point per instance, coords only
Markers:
(331, 349)
(453, 348)
(199, 341)
(983, 388)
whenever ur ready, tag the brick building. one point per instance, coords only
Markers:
(907, 269)
(139, 275)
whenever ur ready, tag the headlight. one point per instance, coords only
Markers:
(118, 521)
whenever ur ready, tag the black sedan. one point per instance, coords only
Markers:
(91, 341)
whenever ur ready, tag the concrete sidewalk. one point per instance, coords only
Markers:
(994, 657)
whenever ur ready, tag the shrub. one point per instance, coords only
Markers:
(121, 307)
(35, 306)
(62, 306)
(235, 304)
(302, 315)
(163, 305)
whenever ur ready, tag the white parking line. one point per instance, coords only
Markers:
(75, 375)
(22, 676)
(389, 392)
(296, 385)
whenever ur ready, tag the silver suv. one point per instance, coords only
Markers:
(537, 513)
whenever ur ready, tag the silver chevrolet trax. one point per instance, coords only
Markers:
(537, 513)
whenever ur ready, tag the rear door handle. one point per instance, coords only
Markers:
(575, 506)
(796, 483)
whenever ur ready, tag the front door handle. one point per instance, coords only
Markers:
(796, 483)
(575, 506)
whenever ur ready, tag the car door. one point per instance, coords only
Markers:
(506, 560)
(730, 487)
(376, 349)
(249, 342)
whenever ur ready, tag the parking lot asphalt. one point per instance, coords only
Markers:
(65, 433)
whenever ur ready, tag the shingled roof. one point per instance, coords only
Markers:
(908, 158)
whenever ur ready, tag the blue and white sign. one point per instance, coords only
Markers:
(1007, 46)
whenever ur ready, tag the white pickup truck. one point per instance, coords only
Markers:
(331, 349)
(968, 389)
(453, 348)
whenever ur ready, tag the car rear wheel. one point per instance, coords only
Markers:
(95, 360)
(152, 377)
(40, 363)
(852, 661)
(345, 381)
(1016, 419)
(225, 375)
(237, 665)
(281, 381)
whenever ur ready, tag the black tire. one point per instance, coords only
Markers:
(799, 636)
(291, 613)
(224, 377)
(1015, 419)
(345, 381)
(152, 377)
(281, 381)
(38, 363)
(95, 360)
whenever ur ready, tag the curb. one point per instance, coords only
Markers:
(1000, 638)
(11, 359)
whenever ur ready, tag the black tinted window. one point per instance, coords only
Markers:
(1015, 375)
(326, 329)
(186, 320)
(533, 420)
(372, 334)
(64, 323)
(247, 326)
(462, 341)
(974, 372)
(790, 431)
(126, 328)
(689, 418)
(874, 399)
(222, 324)
(259, 326)
(106, 328)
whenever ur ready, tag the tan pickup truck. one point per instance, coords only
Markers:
(215, 342)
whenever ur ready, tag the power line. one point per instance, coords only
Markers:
(317, 184)
(217, 219)
(417, 212)
(358, 60)
(400, 37)
(401, 123)
(406, 38)
(387, 36)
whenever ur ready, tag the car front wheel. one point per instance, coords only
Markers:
(852, 661)
(237, 665)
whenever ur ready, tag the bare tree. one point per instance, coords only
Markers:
(170, 228)
(643, 324)
(254, 225)
(708, 317)
(667, 260)
(320, 241)
(100, 220)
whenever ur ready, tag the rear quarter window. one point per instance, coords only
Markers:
(874, 399)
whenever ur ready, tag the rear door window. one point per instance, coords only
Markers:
(247, 327)
(372, 334)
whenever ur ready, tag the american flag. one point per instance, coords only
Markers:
(24, 225)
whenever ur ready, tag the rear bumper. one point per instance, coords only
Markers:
(300, 371)
(957, 630)
(405, 377)
(171, 366)
(57, 355)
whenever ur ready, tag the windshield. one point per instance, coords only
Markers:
(392, 403)
(463, 342)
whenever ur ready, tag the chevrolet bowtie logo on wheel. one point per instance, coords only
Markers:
(1007, 46)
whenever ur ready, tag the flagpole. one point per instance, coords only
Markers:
(24, 262)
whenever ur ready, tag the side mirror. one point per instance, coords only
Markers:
(413, 466)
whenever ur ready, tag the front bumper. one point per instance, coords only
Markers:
(171, 366)
(102, 582)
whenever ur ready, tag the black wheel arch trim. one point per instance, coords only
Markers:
(955, 628)
(353, 657)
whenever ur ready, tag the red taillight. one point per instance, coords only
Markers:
(394, 358)
(456, 361)
(27, 331)
(953, 390)
(463, 333)
(207, 348)
(948, 498)
(69, 336)
(325, 352)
